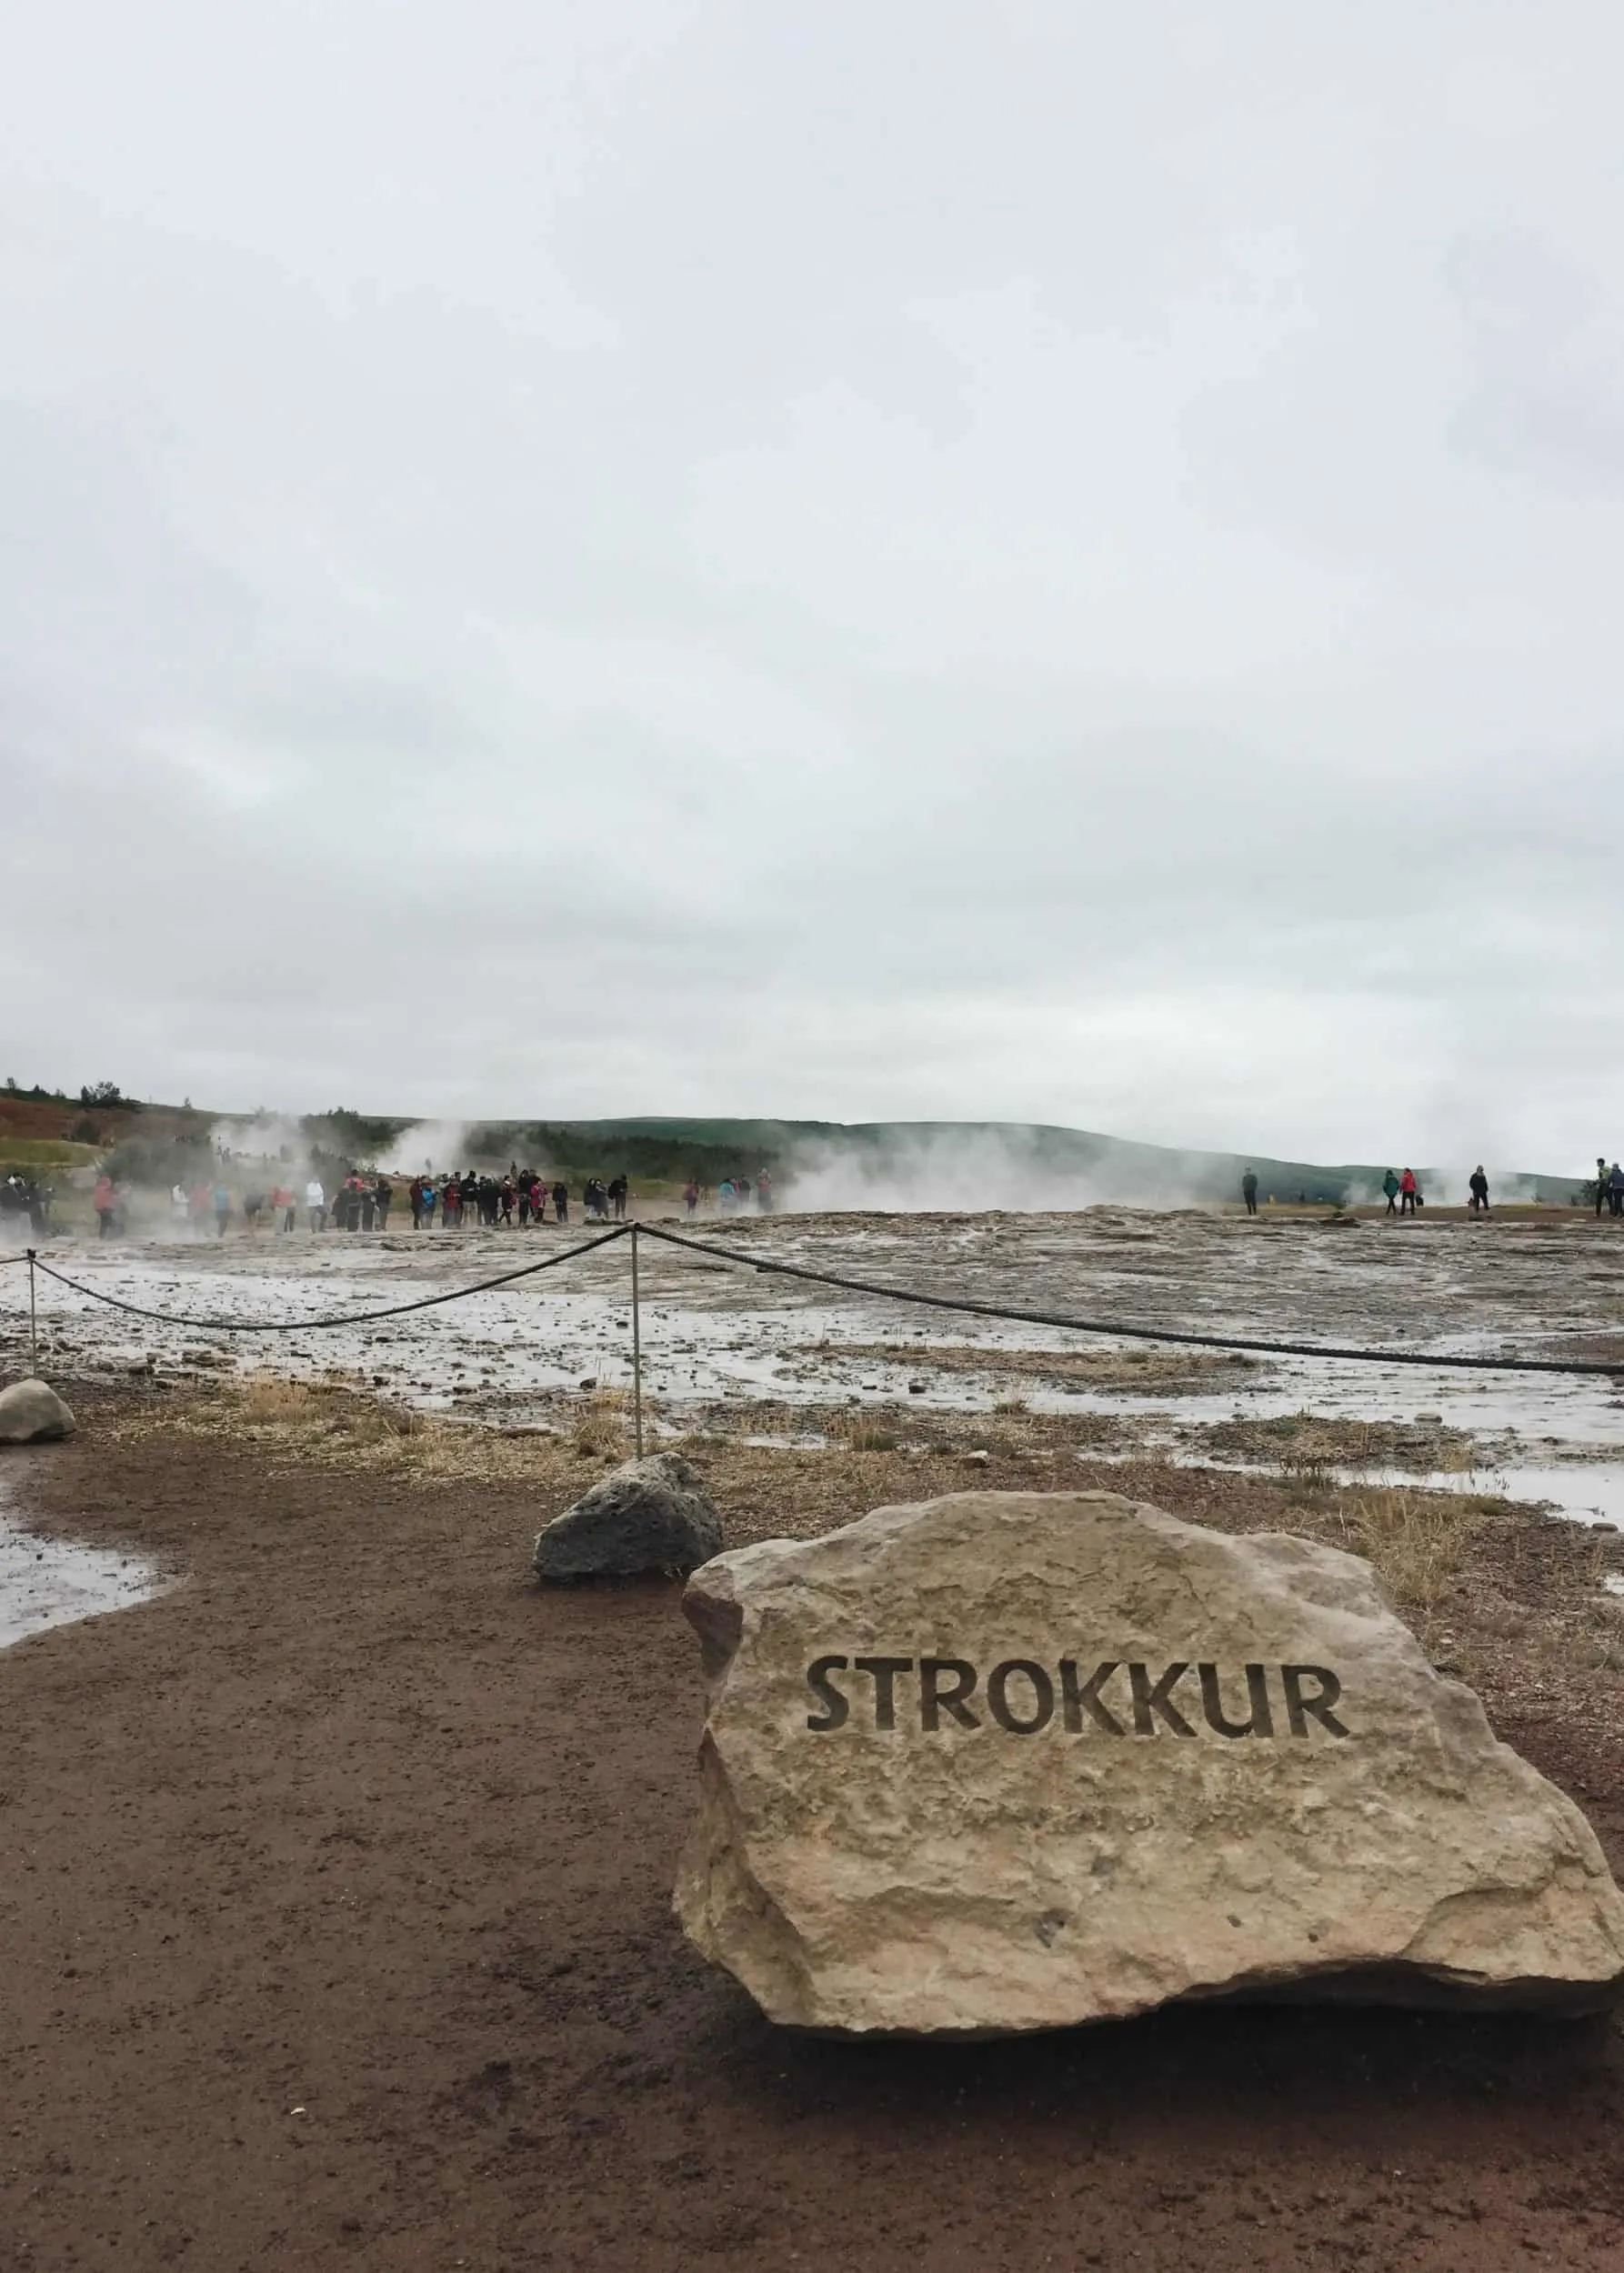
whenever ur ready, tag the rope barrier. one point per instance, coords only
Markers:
(1140, 1333)
(347, 1318)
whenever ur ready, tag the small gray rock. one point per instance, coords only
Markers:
(31, 1413)
(650, 1515)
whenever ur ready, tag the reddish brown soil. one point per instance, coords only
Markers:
(357, 1823)
(45, 1118)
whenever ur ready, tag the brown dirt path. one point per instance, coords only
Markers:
(357, 1823)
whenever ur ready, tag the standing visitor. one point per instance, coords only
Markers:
(619, 1191)
(363, 1198)
(429, 1197)
(383, 1196)
(1615, 1191)
(316, 1201)
(1390, 1185)
(724, 1197)
(105, 1206)
(1478, 1182)
(1408, 1190)
(509, 1193)
(180, 1209)
(691, 1195)
(222, 1209)
(282, 1201)
(1249, 1191)
(764, 1193)
(415, 1201)
(524, 1201)
(1600, 1185)
(561, 1203)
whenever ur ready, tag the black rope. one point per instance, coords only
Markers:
(1141, 1332)
(347, 1318)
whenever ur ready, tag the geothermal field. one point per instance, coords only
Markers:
(784, 1361)
(340, 1914)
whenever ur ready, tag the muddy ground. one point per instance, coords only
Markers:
(333, 1893)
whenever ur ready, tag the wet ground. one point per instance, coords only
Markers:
(48, 1581)
(718, 1338)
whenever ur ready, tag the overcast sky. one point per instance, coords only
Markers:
(1031, 560)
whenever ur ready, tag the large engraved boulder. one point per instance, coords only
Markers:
(1007, 1761)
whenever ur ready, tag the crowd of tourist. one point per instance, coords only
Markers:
(473, 1199)
(364, 1201)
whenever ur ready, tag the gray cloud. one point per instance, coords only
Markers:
(670, 559)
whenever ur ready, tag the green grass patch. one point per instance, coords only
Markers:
(45, 1152)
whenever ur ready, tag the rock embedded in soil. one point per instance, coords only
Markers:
(652, 1514)
(1010, 1761)
(32, 1413)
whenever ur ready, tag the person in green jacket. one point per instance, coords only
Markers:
(1390, 1185)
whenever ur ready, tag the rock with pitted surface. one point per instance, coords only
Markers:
(652, 1514)
(31, 1413)
(1007, 1761)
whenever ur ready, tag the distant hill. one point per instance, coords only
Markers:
(956, 1163)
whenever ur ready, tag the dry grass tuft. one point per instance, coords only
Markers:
(305, 1410)
(869, 1431)
(268, 1401)
(1417, 1541)
(599, 1433)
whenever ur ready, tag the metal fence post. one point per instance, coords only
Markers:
(33, 1323)
(636, 1353)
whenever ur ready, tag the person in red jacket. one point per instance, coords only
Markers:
(1407, 1189)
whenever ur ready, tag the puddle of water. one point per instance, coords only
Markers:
(1589, 1492)
(51, 1582)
